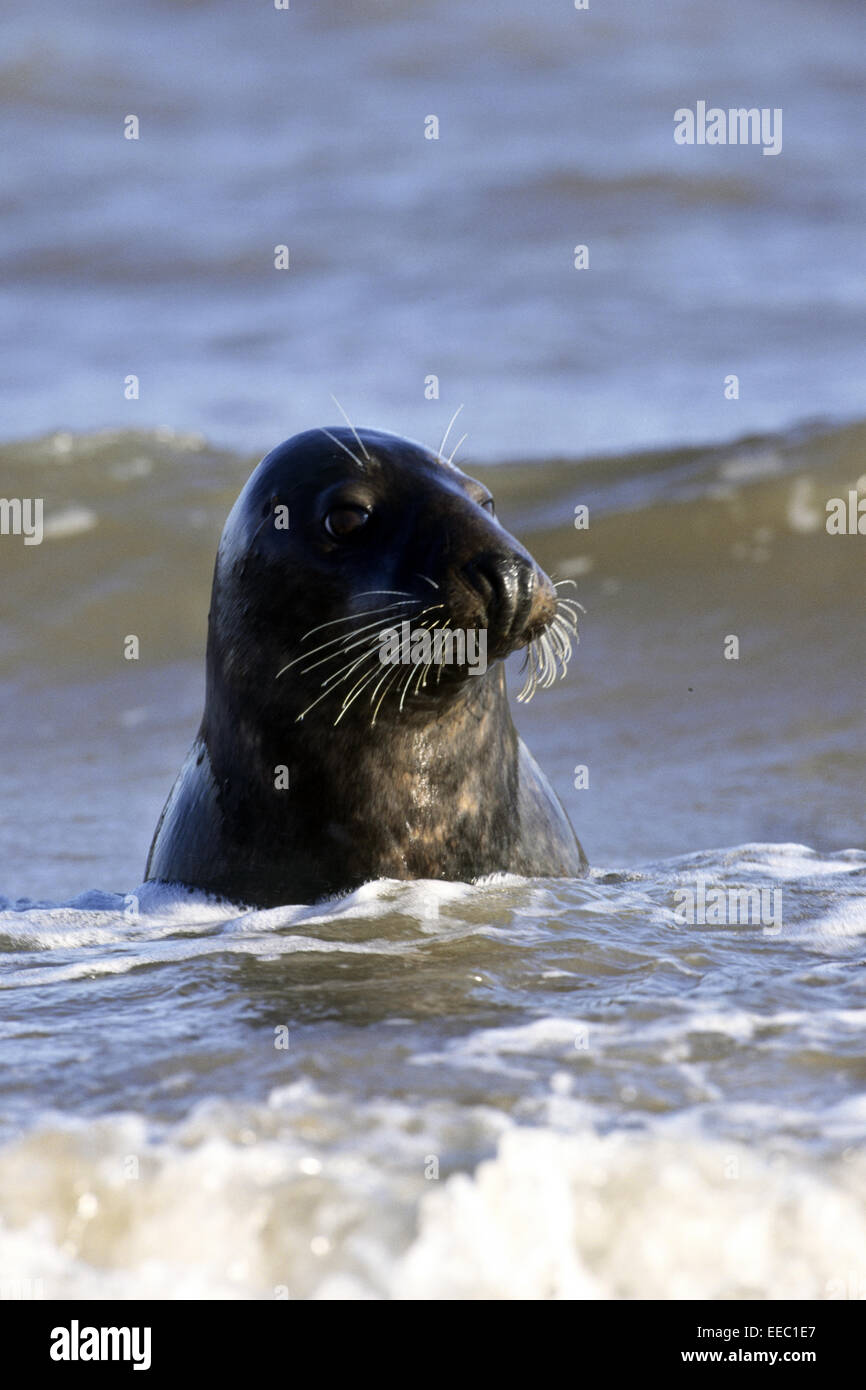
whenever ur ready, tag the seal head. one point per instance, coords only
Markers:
(356, 723)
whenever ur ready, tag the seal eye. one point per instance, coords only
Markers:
(489, 505)
(344, 521)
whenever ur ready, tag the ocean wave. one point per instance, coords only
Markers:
(288, 1201)
(132, 520)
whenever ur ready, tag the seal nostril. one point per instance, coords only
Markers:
(481, 576)
(505, 584)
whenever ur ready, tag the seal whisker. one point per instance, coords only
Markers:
(532, 666)
(561, 644)
(566, 620)
(566, 616)
(456, 447)
(434, 629)
(536, 672)
(331, 683)
(558, 660)
(361, 685)
(351, 617)
(351, 426)
(566, 628)
(411, 672)
(346, 450)
(428, 580)
(305, 656)
(386, 674)
(558, 642)
(448, 431)
(340, 677)
(334, 679)
(396, 673)
(422, 676)
(343, 642)
(339, 642)
(406, 684)
(569, 606)
(524, 695)
(356, 690)
(550, 666)
(523, 692)
(317, 700)
(343, 673)
(347, 645)
(368, 676)
(446, 624)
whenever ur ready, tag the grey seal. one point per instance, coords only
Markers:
(318, 766)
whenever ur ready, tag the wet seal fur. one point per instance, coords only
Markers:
(308, 779)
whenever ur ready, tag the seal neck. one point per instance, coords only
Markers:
(425, 797)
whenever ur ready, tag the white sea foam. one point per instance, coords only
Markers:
(615, 1107)
(245, 1204)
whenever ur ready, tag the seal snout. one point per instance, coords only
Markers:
(518, 600)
